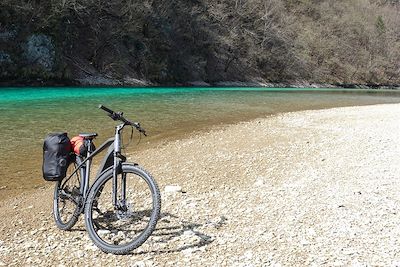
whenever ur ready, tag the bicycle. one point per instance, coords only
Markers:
(122, 206)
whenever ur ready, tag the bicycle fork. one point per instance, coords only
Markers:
(117, 169)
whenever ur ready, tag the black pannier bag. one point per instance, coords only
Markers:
(56, 156)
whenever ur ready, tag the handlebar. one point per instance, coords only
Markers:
(106, 109)
(118, 116)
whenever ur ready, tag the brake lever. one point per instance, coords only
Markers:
(139, 128)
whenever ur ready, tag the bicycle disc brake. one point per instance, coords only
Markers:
(124, 211)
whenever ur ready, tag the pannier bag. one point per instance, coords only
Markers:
(56, 156)
(80, 145)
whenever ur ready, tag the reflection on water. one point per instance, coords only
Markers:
(28, 114)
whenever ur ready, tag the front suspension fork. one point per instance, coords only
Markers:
(118, 160)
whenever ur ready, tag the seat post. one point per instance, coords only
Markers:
(88, 135)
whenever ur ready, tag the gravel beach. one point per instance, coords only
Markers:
(294, 189)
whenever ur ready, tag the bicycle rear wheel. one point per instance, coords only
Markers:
(123, 229)
(67, 200)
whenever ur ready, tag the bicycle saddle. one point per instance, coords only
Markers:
(88, 135)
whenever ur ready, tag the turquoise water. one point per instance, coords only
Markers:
(27, 94)
(28, 114)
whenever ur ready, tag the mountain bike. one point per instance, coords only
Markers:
(122, 206)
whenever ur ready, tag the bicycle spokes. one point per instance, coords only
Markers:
(120, 224)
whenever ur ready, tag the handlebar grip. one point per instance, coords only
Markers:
(106, 109)
(118, 116)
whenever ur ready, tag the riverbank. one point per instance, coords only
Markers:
(100, 81)
(310, 187)
(167, 114)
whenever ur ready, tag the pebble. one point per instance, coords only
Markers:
(189, 233)
(348, 251)
(29, 244)
(235, 220)
(172, 189)
(259, 183)
(79, 254)
(139, 264)
(33, 232)
(101, 233)
(304, 242)
(90, 247)
(338, 263)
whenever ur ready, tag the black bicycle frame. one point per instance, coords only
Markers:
(113, 158)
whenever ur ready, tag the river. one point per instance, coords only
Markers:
(29, 114)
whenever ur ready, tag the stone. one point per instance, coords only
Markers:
(29, 244)
(311, 232)
(248, 255)
(304, 242)
(348, 251)
(259, 183)
(139, 264)
(79, 254)
(90, 247)
(103, 232)
(189, 233)
(33, 232)
(338, 263)
(172, 189)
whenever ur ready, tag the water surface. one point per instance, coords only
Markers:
(28, 114)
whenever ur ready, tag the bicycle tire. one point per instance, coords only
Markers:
(140, 211)
(67, 191)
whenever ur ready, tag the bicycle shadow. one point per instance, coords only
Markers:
(179, 237)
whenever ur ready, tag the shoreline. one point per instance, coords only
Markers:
(298, 188)
(156, 142)
(140, 83)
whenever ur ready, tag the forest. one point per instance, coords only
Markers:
(184, 42)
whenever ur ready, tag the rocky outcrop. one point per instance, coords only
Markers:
(39, 50)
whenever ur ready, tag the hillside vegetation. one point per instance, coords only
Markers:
(172, 42)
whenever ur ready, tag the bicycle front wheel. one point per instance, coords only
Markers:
(67, 199)
(123, 228)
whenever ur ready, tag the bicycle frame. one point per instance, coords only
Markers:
(117, 218)
(112, 159)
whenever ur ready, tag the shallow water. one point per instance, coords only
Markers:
(28, 114)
